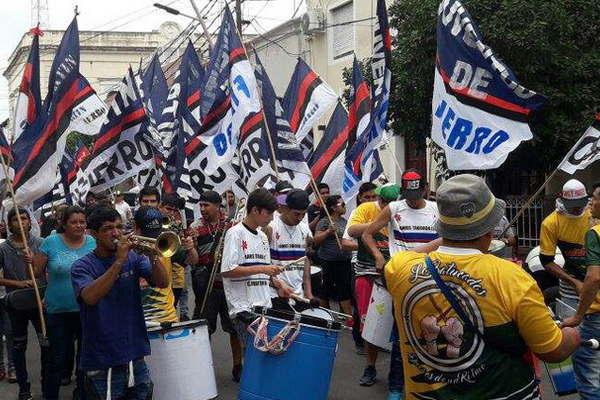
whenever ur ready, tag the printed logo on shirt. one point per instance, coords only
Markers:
(444, 350)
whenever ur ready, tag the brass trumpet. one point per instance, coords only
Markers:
(167, 243)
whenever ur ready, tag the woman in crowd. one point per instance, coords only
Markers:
(58, 252)
(336, 263)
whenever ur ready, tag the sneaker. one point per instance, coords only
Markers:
(236, 373)
(369, 376)
(25, 396)
(12, 376)
(360, 350)
(395, 395)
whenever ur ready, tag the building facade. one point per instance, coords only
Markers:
(105, 56)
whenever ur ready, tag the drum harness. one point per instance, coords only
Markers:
(281, 341)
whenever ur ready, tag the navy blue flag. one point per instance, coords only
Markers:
(288, 154)
(42, 150)
(480, 111)
(382, 75)
(328, 157)
(185, 126)
(70, 165)
(359, 162)
(305, 101)
(28, 105)
(154, 88)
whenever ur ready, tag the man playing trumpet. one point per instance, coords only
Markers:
(158, 302)
(106, 284)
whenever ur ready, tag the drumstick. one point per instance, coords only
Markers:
(298, 261)
(304, 300)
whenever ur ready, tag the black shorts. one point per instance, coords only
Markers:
(337, 280)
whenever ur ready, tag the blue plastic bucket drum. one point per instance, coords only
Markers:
(300, 368)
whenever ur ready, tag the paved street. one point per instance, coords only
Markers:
(344, 386)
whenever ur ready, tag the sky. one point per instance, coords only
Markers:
(122, 15)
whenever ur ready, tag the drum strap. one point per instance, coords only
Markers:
(280, 342)
(451, 297)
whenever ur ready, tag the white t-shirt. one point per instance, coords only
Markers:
(410, 227)
(288, 243)
(244, 248)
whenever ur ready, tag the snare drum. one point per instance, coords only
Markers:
(181, 364)
(301, 372)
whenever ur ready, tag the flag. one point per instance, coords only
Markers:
(28, 104)
(154, 88)
(480, 111)
(327, 162)
(120, 150)
(306, 99)
(71, 103)
(288, 154)
(308, 144)
(178, 124)
(585, 152)
(382, 75)
(358, 160)
(73, 159)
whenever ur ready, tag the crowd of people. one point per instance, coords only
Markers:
(467, 323)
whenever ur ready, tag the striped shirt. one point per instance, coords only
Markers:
(410, 227)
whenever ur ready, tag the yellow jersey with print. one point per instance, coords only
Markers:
(159, 303)
(568, 234)
(364, 214)
(445, 359)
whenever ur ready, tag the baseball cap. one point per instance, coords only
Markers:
(283, 187)
(297, 199)
(573, 194)
(388, 192)
(149, 220)
(467, 208)
(412, 185)
(210, 196)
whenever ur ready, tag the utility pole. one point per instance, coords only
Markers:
(238, 16)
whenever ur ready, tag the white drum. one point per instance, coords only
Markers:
(379, 321)
(317, 313)
(181, 364)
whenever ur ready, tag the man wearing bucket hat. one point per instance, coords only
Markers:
(586, 362)
(365, 269)
(565, 228)
(466, 318)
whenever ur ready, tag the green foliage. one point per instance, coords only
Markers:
(553, 48)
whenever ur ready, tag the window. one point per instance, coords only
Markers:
(342, 35)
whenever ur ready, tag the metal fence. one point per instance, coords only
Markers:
(527, 227)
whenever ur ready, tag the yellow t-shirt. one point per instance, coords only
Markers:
(364, 214)
(159, 303)
(568, 234)
(443, 358)
(178, 281)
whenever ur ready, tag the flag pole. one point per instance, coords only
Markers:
(36, 290)
(316, 189)
(531, 199)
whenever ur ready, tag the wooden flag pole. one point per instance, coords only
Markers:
(36, 290)
(316, 189)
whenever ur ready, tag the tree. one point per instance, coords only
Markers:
(552, 47)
